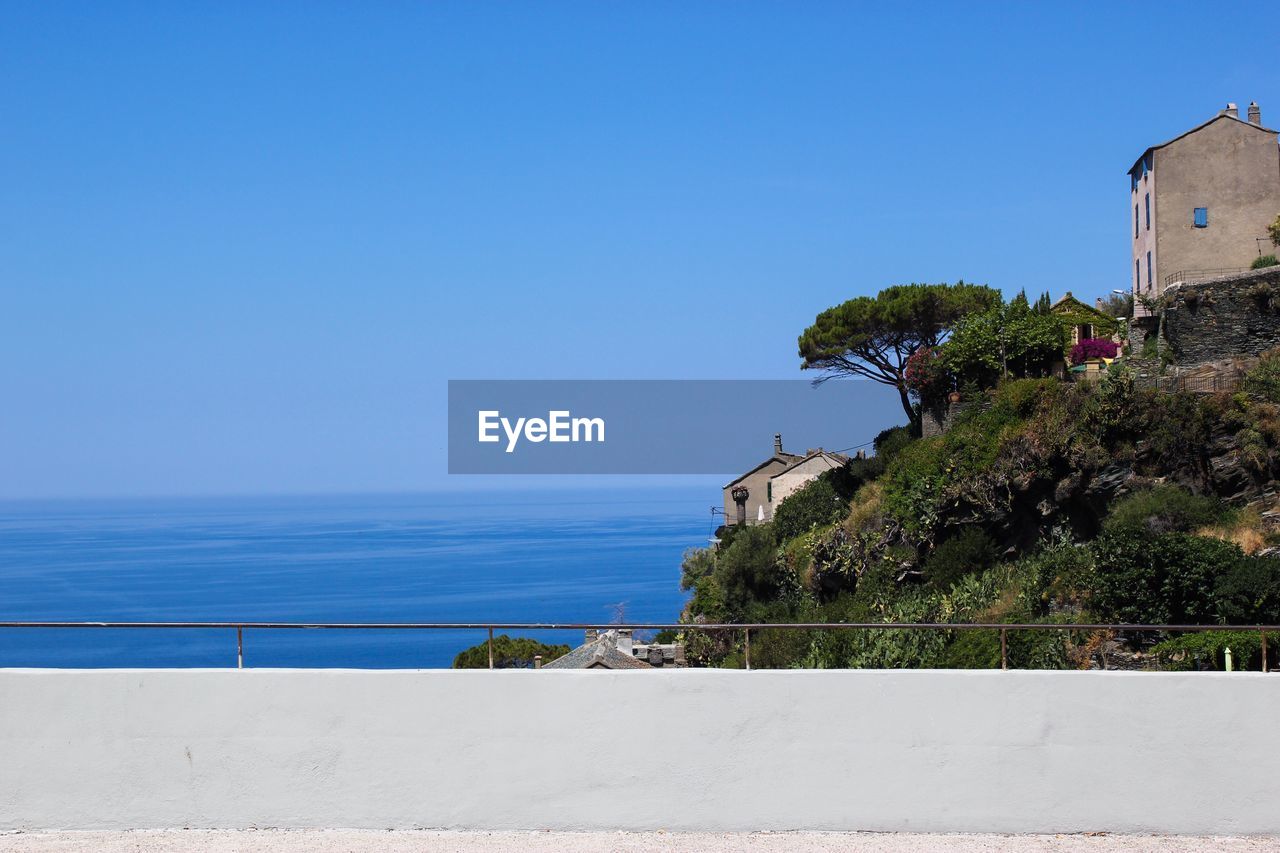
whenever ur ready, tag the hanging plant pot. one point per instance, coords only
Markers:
(954, 396)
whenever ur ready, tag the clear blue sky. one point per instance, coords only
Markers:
(244, 245)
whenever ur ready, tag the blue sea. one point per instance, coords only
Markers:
(547, 556)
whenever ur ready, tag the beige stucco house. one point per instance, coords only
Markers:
(802, 471)
(752, 498)
(749, 498)
(1202, 201)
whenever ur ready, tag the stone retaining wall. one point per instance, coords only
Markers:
(1236, 315)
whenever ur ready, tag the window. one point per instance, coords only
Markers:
(1201, 217)
(1148, 211)
(1135, 222)
(768, 491)
(1148, 270)
(1137, 275)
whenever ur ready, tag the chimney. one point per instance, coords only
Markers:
(592, 634)
(777, 444)
(1232, 110)
(1255, 114)
(624, 641)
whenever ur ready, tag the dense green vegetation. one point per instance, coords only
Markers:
(1047, 502)
(508, 653)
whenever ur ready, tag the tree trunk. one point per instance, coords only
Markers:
(914, 418)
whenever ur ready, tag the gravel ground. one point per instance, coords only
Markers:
(351, 841)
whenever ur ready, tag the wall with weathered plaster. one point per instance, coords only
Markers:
(1230, 167)
(674, 749)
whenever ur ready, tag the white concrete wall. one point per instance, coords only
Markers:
(690, 749)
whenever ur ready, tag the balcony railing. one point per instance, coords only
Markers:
(1193, 276)
(744, 630)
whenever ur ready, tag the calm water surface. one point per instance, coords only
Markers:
(544, 557)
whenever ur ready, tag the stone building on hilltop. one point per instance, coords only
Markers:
(748, 499)
(1201, 203)
(753, 496)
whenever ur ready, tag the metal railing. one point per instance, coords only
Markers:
(1214, 383)
(1193, 276)
(746, 629)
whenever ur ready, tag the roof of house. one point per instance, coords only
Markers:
(838, 458)
(786, 458)
(1069, 301)
(600, 653)
(1218, 117)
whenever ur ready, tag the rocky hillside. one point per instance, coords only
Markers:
(1046, 502)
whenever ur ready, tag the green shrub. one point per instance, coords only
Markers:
(968, 551)
(508, 653)
(1208, 649)
(980, 649)
(697, 564)
(1263, 380)
(1177, 428)
(915, 481)
(1021, 397)
(815, 504)
(890, 442)
(1248, 592)
(747, 571)
(1160, 578)
(1265, 261)
(1060, 575)
(1166, 509)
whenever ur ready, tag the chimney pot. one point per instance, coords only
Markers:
(625, 643)
(1232, 110)
(777, 443)
(1255, 114)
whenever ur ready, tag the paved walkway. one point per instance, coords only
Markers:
(349, 841)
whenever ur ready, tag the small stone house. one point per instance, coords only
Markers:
(749, 498)
(807, 468)
(1083, 321)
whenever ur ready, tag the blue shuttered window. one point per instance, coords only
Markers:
(1201, 217)
(1148, 211)
(1148, 270)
